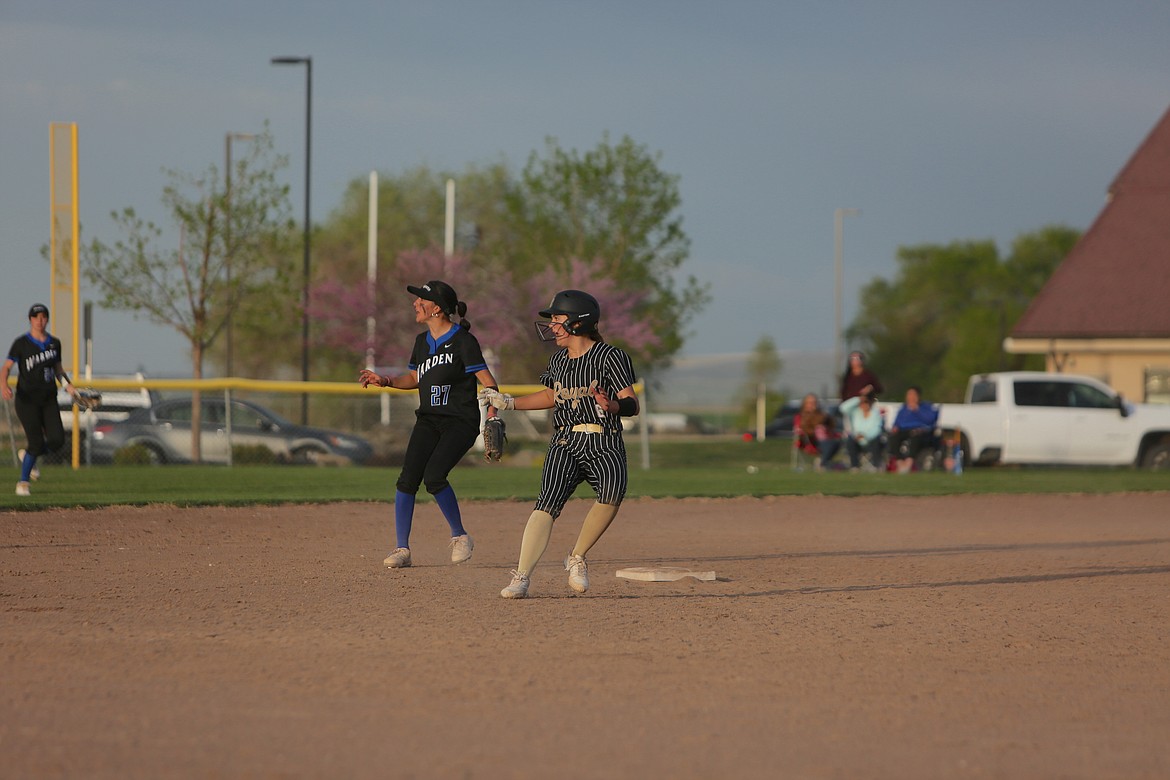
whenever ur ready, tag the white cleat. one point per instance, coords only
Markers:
(399, 559)
(22, 489)
(461, 547)
(578, 573)
(518, 588)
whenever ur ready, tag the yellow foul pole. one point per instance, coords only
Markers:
(63, 189)
(75, 341)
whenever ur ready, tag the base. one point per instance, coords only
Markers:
(664, 574)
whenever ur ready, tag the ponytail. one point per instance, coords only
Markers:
(461, 310)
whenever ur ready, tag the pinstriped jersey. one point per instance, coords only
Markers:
(446, 373)
(573, 380)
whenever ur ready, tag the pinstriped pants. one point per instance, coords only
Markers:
(573, 458)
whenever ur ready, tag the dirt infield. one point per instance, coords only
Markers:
(965, 637)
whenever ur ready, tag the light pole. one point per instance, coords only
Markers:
(308, 63)
(838, 275)
(227, 232)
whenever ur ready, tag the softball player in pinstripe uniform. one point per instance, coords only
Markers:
(444, 366)
(589, 386)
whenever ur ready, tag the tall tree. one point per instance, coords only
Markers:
(604, 221)
(614, 205)
(226, 242)
(411, 222)
(945, 315)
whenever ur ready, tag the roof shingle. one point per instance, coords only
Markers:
(1115, 283)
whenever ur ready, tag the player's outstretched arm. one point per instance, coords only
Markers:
(407, 381)
(542, 399)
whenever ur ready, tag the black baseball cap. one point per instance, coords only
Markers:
(437, 292)
(38, 308)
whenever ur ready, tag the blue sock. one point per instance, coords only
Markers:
(403, 517)
(447, 502)
(26, 466)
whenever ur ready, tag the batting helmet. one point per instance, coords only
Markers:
(581, 308)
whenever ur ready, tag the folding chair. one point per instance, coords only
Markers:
(804, 452)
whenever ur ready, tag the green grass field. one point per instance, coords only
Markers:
(708, 467)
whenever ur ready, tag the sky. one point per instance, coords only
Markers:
(939, 121)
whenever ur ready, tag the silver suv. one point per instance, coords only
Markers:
(116, 406)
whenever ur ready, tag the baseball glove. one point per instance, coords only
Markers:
(494, 439)
(87, 398)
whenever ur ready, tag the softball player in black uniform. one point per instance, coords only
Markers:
(38, 357)
(590, 387)
(445, 365)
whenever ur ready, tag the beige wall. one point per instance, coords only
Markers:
(1124, 372)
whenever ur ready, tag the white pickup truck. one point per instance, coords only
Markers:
(1037, 417)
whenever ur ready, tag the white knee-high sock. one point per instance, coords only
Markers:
(598, 519)
(536, 535)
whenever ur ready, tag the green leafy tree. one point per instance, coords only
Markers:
(616, 205)
(411, 224)
(947, 312)
(605, 221)
(189, 288)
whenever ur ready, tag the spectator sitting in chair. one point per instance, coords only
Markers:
(865, 429)
(912, 430)
(815, 431)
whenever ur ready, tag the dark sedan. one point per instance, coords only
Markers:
(164, 431)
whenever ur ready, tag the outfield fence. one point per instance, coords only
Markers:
(383, 416)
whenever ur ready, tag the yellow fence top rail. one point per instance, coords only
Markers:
(266, 386)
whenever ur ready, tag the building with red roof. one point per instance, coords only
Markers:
(1106, 309)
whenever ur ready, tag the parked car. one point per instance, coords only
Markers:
(115, 406)
(781, 424)
(164, 430)
(1060, 419)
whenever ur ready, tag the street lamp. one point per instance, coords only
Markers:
(308, 63)
(227, 231)
(838, 274)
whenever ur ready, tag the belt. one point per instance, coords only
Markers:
(587, 428)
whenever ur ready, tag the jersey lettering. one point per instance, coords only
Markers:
(571, 395)
(32, 361)
(446, 368)
(441, 359)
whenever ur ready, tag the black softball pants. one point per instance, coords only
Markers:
(436, 445)
(42, 425)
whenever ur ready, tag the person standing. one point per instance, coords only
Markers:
(589, 387)
(857, 377)
(445, 365)
(37, 355)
